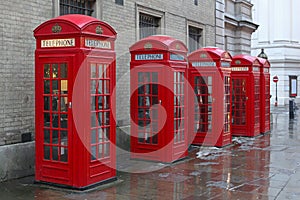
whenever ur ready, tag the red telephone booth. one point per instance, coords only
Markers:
(210, 113)
(158, 99)
(265, 95)
(245, 76)
(75, 77)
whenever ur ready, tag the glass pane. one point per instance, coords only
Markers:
(46, 119)
(63, 104)
(46, 152)
(46, 103)
(55, 120)
(54, 137)
(209, 80)
(93, 153)
(107, 134)
(107, 119)
(55, 103)
(93, 119)
(46, 87)
(154, 89)
(64, 86)
(63, 154)
(46, 136)
(107, 71)
(140, 77)
(154, 77)
(55, 87)
(94, 136)
(100, 150)
(101, 73)
(54, 153)
(106, 150)
(64, 121)
(64, 138)
(47, 71)
(100, 135)
(107, 102)
(55, 71)
(63, 70)
(93, 71)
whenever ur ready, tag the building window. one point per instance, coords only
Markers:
(148, 25)
(195, 38)
(84, 7)
(120, 2)
(196, 2)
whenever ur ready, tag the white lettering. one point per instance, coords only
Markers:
(204, 64)
(97, 44)
(238, 69)
(69, 42)
(149, 57)
(176, 57)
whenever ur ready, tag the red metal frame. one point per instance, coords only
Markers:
(209, 76)
(158, 101)
(75, 125)
(265, 95)
(246, 90)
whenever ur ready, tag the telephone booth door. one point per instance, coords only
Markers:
(74, 80)
(204, 112)
(158, 99)
(56, 76)
(265, 95)
(146, 108)
(209, 76)
(245, 76)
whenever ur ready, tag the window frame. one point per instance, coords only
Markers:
(97, 7)
(201, 27)
(151, 12)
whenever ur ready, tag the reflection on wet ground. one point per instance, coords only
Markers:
(264, 167)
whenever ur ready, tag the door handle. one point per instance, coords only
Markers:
(70, 104)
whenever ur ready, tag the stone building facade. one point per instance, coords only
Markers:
(279, 36)
(234, 25)
(196, 23)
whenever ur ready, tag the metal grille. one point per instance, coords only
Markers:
(76, 7)
(194, 38)
(120, 2)
(148, 25)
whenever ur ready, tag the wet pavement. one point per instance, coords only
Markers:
(264, 167)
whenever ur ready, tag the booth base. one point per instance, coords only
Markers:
(96, 186)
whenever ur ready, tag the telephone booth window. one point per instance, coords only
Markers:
(203, 104)
(257, 101)
(238, 101)
(178, 107)
(147, 113)
(227, 104)
(100, 110)
(55, 95)
(267, 99)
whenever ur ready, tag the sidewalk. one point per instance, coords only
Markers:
(265, 167)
